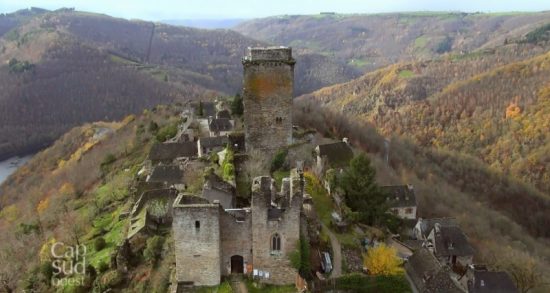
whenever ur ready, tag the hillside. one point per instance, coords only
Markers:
(488, 104)
(371, 41)
(77, 190)
(70, 67)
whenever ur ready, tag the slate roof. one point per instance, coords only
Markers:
(169, 174)
(220, 124)
(428, 275)
(427, 225)
(450, 240)
(214, 141)
(223, 114)
(208, 109)
(170, 151)
(337, 154)
(216, 182)
(488, 282)
(400, 196)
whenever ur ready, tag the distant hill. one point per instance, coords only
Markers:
(493, 105)
(71, 67)
(205, 23)
(371, 41)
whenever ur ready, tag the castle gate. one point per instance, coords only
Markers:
(237, 264)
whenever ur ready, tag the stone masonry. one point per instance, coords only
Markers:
(268, 86)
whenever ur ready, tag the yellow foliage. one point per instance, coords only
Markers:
(513, 111)
(128, 119)
(66, 189)
(383, 260)
(10, 213)
(43, 205)
(45, 251)
(61, 163)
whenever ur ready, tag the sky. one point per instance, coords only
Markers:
(224, 9)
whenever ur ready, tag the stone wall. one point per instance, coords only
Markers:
(267, 97)
(236, 239)
(197, 249)
(277, 264)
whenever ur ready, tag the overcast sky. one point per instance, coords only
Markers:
(188, 9)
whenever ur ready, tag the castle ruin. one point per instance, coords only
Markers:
(213, 240)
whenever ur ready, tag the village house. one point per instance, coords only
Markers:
(220, 126)
(481, 280)
(223, 114)
(450, 246)
(401, 201)
(168, 176)
(423, 227)
(333, 155)
(207, 145)
(428, 275)
(166, 153)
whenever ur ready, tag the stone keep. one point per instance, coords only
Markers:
(268, 86)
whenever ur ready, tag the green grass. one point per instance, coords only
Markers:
(359, 62)
(113, 237)
(263, 288)
(224, 287)
(406, 74)
(279, 175)
(321, 200)
(421, 42)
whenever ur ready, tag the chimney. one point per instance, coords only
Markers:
(437, 228)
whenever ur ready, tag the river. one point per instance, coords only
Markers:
(10, 165)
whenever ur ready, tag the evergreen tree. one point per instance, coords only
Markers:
(237, 107)
(362, 195)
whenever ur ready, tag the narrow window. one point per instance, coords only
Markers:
(197, 225)
(276, 243)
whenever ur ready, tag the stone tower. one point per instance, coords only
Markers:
(268, 86)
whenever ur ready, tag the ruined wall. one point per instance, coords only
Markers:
(197, 249)
(287, 226)
(267, 97)
(236, 239)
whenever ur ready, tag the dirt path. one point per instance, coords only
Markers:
(337, 254)
(238, 286)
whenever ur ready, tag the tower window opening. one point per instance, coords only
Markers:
(197, 225)
(276, 242)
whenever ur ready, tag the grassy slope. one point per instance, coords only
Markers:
(66, 191)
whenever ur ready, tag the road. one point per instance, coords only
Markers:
(337, 254)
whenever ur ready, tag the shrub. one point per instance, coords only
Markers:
(153, 248)
(278, 160)
(102, 267)
(167, 132)
(153, 127)
(99, 243)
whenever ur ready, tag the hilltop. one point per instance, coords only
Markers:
(53, 61)
(371, 41)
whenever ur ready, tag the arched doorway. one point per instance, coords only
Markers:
(237, 264)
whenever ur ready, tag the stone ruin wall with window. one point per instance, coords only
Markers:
(286, 227)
